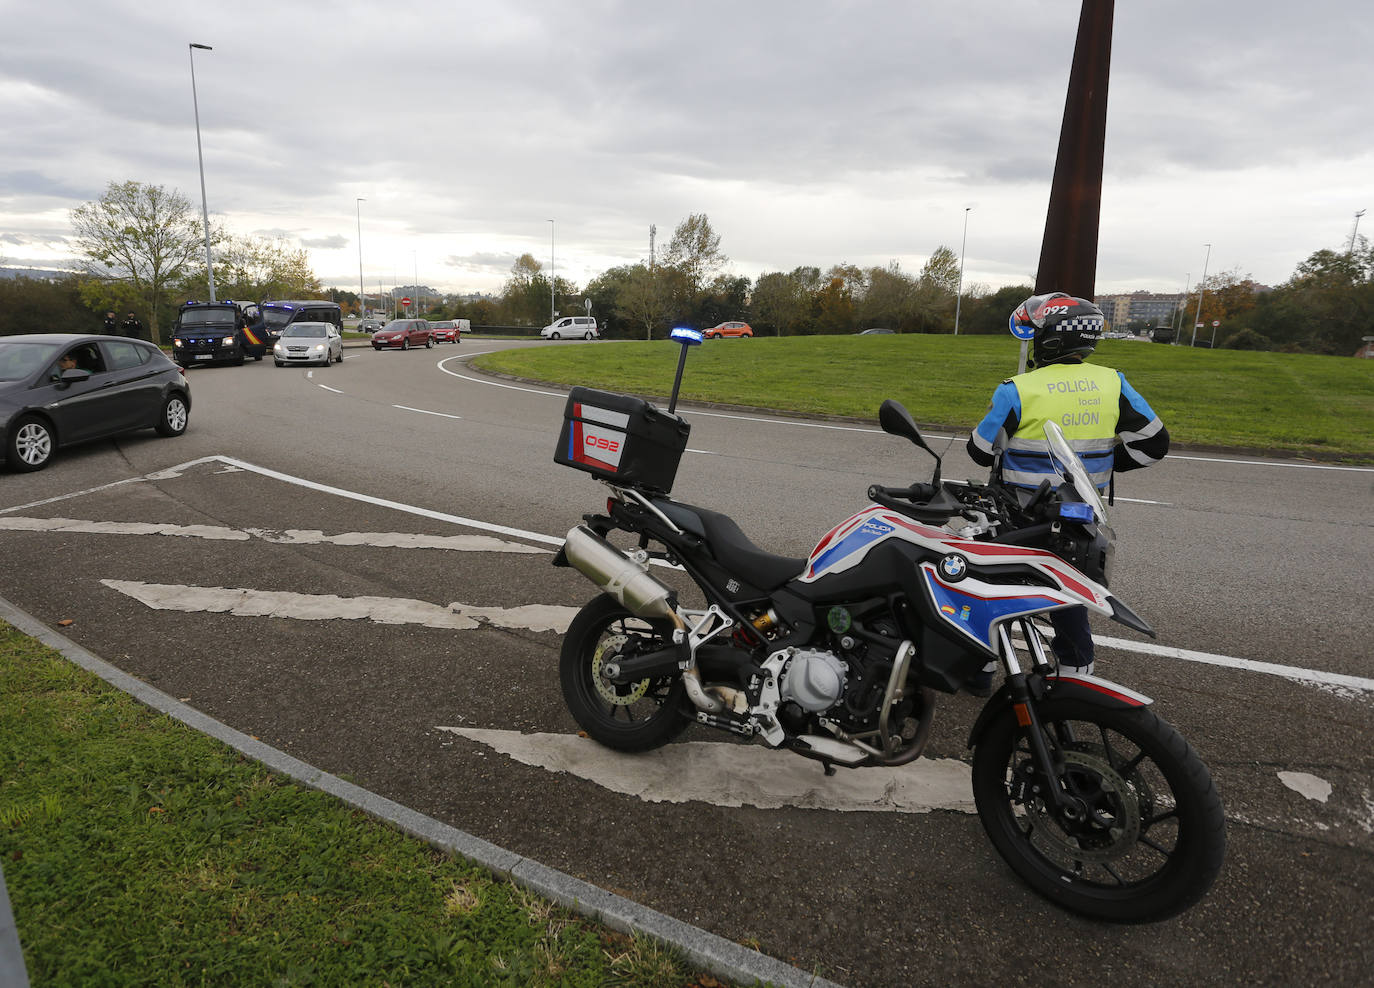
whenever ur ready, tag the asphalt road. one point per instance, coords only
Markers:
(333, 647)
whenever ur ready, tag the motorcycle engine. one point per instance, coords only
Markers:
(813, 680)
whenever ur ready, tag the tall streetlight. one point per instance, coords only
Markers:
(959, 295)
(204, 209)
(362, 292)
(415, 261)
(553, 276)
(1353, 232)
(1201, 291)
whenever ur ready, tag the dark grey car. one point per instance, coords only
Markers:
(57, 390)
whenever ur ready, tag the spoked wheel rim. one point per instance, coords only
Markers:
(625, 704)
(1130, 833)
(176, 415)
(33, 444)
(634, 716)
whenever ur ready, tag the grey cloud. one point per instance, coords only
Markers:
(327, 243)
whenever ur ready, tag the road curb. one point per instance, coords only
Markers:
(701, 949)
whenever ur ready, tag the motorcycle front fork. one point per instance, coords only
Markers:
(1049, 762)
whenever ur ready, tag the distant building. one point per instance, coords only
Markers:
(1151, 308)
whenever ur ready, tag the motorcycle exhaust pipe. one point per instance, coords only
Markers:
(618, 575)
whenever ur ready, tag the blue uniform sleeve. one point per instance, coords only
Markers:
(1000, 423)
(1143, 439)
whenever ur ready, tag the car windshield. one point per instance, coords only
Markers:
(19, 360)
(311, 329)
(277, 316)
(196, 318)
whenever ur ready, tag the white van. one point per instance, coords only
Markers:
(571, 328)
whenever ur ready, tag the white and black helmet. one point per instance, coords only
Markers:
(1065, 326)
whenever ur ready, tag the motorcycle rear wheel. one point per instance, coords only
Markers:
(1156, 834)
(628, 717)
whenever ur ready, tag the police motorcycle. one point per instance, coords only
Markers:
(1092, 799)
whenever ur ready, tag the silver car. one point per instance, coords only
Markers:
(308, 343)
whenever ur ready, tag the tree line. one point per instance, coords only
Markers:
(142, 248)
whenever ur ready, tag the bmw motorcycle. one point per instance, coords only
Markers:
(1091, 798)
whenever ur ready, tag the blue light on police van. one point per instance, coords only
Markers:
(685, 336)
(1074, 511)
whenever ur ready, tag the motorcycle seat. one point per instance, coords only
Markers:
(731, 546)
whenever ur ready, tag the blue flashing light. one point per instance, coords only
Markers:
(685, 336)
(1074, 511)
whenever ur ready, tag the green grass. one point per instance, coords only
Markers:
(1269, 402)
(137, 851)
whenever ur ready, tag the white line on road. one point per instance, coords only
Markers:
(243, 602)
(739, 774)
(290, 536)
(425, 411)
(328, 388)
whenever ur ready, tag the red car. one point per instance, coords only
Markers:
(446, 331)
(739, 329)
(402, 334)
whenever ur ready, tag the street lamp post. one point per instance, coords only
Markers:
(959, 294)
(553, 276)
(362, 292)
(1351, 251)
(1201, 291)
(204, 208)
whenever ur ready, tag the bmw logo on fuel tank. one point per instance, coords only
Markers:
(954, 567)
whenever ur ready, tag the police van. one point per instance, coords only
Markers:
(280, 314)
(222, 332)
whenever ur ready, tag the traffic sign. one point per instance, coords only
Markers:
(1216, 323)
(405, 301)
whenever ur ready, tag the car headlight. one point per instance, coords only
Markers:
(176, 341)
(227, 341)
(319, 347)
(277, 348)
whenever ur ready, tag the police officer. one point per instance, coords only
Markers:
(131, 327)
(1110, 426)
(111, 324)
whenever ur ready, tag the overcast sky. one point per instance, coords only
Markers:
(809, 133)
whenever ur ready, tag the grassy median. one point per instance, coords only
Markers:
(137, 851)
(1272, 402)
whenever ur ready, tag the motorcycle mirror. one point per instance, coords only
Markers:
(897, 421)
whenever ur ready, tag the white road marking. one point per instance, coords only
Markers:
(739, 774)
(243, 602)
(290, 536)
(1249, 665)
(328, 388)
(425, 411)
(1316, 789)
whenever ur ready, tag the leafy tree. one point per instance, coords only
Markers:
(643, 300)
(779, 302)
(889, 298)
(725, 298)
(258, 269)
(695, 251)
(42, 305)
(136, 242)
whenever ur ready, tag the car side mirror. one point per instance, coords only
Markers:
(75, 375)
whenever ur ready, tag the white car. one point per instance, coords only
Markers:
(571, 328)
(308, 343)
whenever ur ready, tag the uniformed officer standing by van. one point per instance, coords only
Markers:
(1110, 426)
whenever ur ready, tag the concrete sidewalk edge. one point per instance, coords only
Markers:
(707, 951)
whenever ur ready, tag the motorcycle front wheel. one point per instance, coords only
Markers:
(1154, 835)
(626, 716)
